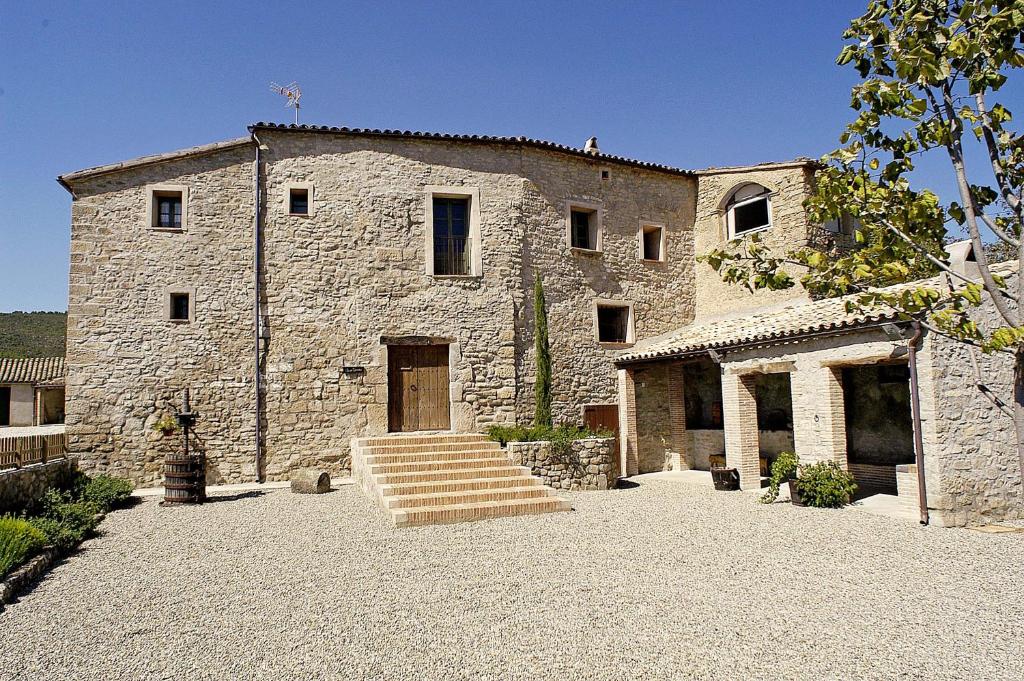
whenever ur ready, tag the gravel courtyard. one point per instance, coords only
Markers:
(663, 581)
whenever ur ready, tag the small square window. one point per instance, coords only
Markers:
(606, 174)
(298, 201)
(180, 309)
(167, 210)
(613, 323)
(652, 243)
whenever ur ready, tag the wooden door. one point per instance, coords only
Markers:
(602, 417)
(418, 388)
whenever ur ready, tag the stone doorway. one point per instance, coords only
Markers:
(418, 388)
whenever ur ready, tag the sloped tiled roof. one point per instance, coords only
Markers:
(32, 370)
(768, 326)
(479, 139)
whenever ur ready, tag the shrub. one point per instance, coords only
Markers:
(105, 493)
(19, 541)
(825, 485)
(64, 521)
(783, 468)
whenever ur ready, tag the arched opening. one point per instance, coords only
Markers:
(748, 209)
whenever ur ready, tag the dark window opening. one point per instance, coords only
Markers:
(612, 324)
(606, 174)
(298, 201)
(179, 307)
(652, 243)
(750, 216)
(452, 248)
(582, 234)
(702, 395)
(168, 211)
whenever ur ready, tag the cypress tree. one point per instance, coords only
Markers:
(542, 388)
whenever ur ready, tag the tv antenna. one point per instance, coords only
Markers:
(293, 92)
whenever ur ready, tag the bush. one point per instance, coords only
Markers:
(65, 521)
(562, 433)
(19, 541)
(825, 485)
(783, 468)
(105, 493)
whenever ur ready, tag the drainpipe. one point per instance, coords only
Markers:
(915, 408)
(257, 321)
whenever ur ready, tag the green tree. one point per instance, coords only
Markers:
(542, 350)
(931, 72)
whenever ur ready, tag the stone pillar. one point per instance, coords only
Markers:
(739, 409)
(628, 463)
(819, 417)
(681, 458)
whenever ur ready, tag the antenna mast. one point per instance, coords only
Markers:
(293, 92)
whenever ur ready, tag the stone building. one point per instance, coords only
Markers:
(363, 282)
(31, 391)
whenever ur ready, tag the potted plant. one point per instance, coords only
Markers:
(822, 485)
(167, 425)
(783, 469)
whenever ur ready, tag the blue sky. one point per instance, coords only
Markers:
(690, 84)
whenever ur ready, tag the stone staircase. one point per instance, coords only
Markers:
(446, 478)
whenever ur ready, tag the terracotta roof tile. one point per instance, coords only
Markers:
(32, 370)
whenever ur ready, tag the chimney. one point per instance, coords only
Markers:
(591, 146)
(962, 259)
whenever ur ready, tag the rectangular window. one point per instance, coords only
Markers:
(652, 242)
(748, 217)
(298, 201)
(582, 231)
(452, 248)
(179, 307)
(613, 323)
(168, 210)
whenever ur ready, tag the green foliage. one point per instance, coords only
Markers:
(65, 520)
(783, 468)
(542, 350)
(166, 424)
(19, 541)
(33, 334)
(928, 70)
(102, 491)
(561, 433)
(825, 485)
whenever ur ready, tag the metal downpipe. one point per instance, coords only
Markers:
(257, 320)
(915, 409)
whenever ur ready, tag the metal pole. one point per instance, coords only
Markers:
(185, 409)
(257, 320)
(915, 410)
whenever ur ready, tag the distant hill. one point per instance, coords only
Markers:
(33, 334)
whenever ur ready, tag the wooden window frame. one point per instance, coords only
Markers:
(645, 228)
(154, 193)
(168, 306)
(596, 226)
(287, 198)
(475, 243)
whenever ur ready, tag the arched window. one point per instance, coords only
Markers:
(749, 209)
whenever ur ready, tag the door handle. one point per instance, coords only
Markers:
(413, 388)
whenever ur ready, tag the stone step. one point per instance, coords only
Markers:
(432, 447)
(463, 474)
(418, 439)
(453, 513)
(468, 484)
(437, 465)
(412, 457)
(466, 496)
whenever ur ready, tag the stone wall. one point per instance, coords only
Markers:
(591, 464)
(126, 363)
(19, 487)
(790, 229)
(341, 282)
(979, 477)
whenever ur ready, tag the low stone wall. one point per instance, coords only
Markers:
(21, 486)
(590, 464)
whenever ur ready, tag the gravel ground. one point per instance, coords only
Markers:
(663, 581)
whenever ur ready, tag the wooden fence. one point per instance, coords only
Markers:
(18, 452)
